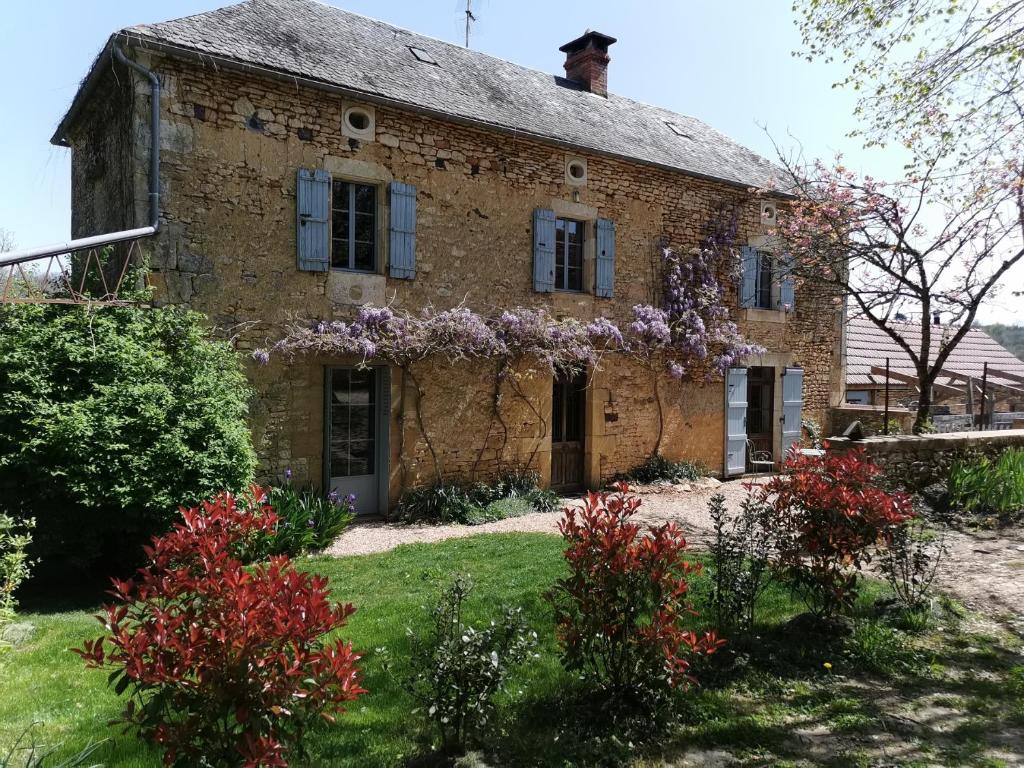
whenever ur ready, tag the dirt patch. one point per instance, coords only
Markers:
(985, 571)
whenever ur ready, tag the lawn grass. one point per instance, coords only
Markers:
(949, 696)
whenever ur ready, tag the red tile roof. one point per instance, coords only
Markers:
(867, 345)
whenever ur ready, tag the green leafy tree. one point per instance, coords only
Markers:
(110, 418)
(945, 77)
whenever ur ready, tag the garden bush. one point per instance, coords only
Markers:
(109, 418)
(305, 521)
(224, 665)
(15, 565)
(910, 562)
(474, 503)
(457, 669)
(989, 487)
(621, 611)
(830, 518)
(739, 559)
(658, 469)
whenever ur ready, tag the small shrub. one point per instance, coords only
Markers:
(989, 487)
(830, 517)
(620, 612)
(739, 558)
(658, 469)
(305, 522)
(223, 665)
(910, 562)
(15, 565)
(457, 669)
(467, 503)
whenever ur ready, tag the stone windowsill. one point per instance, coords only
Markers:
(763, 315)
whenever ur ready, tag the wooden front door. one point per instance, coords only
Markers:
(567, 432)
(761, 409)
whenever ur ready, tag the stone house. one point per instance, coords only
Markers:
(314, 160)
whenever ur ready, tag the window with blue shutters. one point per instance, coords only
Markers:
(402, 230)
(766, 281)
(604, 285)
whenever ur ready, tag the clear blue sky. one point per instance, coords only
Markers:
(727, 63)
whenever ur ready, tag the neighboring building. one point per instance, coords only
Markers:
(422, 173)
(868, 347)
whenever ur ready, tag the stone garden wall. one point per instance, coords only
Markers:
(871, 418)
(917, 461)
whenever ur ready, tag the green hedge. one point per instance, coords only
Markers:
(111, 417)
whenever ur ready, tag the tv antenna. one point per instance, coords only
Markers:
(470, 18)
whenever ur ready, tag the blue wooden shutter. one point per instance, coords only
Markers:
(543, 250)
(792, 406)
(748, 279)
(605, 286)
(313, 207)
(787, 289)
(736, 421)
(402, 243)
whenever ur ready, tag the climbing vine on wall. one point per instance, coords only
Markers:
(691, 334)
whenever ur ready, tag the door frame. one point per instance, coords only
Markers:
(382, 427)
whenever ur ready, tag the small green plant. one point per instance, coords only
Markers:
(813, 430)
(989, 487)
(26, 753)
(475, 503)
(910, 562)
(457, 669)
(658, 469)
(882, 649)
(15, 565)
(307, 521)
(739, 561)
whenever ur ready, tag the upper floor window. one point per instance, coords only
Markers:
(353, 226)
(765, 281)
(568, 255)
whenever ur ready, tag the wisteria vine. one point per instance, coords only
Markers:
(691, 334)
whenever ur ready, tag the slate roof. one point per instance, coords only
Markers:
(366, 56)
(867, 345)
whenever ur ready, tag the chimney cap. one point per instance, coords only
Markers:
(599, 40)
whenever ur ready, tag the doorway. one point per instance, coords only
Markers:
(761, 410)
(568, 400)
(356, 435)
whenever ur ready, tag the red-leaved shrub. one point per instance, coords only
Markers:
(830, 518)
(224, 665)
(621, 609)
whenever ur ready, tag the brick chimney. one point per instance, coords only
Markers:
(586, 61)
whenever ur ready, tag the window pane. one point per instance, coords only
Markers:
(339, 254)
(364, 257)
(361, 461)
(366, 199)
(764, 281)
(574, 280)
(340, 195)
(364, 227)
(339, 224)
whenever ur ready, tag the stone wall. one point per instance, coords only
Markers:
(232, 144)
(872, 419)
(916, 461)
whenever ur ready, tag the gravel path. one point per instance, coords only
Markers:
(686, 504)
